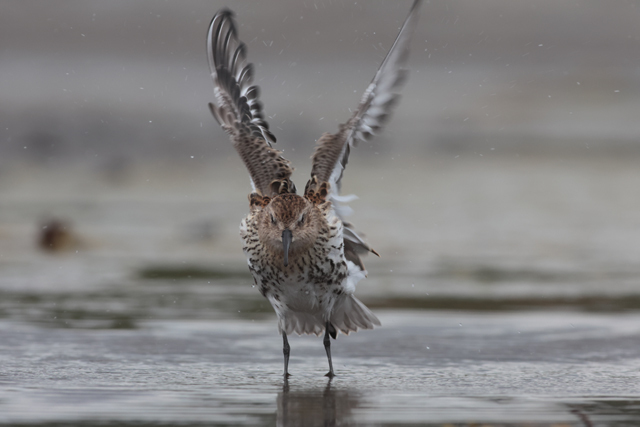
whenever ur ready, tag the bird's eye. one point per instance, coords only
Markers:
(273, 219)
(301, 220)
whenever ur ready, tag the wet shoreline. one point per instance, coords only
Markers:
(507, 291)
(420, 367)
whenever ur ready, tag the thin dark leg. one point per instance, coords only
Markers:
(327, 347)
(286, 350)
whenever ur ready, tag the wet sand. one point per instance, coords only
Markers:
(419, 368)
(507, 291)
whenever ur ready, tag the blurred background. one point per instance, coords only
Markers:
(511, 160)
(507, 179)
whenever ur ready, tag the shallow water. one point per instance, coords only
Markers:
(419, 368)
(510, 314)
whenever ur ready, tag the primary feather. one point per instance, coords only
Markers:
(237, 107)
(332, 150)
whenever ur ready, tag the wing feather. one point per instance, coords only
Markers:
(332, 150)
(237, 107)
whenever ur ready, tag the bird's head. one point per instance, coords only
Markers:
(288, 225)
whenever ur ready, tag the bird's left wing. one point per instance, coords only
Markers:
(238, 110)
(332, 150)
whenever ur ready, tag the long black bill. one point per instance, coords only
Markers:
(286, 242)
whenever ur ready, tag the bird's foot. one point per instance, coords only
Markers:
(330, 374)
(287, 375)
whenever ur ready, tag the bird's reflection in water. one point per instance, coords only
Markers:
(328, 407)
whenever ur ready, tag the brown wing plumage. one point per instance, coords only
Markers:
(332, 150)
(237, 107)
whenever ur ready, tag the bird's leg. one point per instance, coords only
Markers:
(327, 347)
(286, 350)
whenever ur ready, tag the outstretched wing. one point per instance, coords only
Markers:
(332, 150)
(237, 107)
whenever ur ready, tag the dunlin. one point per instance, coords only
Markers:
(303, 256)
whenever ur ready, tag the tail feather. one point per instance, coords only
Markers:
(348, 316)
(351, 315)
(301, 323)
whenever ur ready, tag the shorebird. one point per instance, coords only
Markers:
(303, 255)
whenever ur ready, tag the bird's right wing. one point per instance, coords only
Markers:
(238, 110)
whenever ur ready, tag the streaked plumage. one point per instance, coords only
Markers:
(303, 256)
